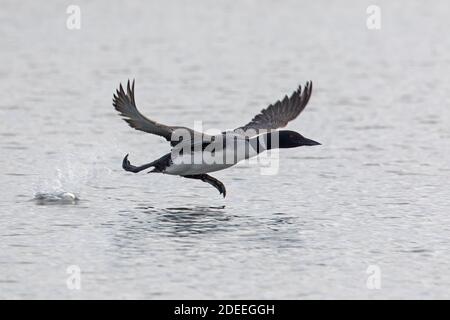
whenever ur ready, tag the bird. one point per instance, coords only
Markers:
(195, 154)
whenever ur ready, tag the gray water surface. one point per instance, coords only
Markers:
(376, 193)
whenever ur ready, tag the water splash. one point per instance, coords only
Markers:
(64, 180)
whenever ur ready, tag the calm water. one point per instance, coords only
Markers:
(375, 193)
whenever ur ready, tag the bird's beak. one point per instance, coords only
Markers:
(309, 142)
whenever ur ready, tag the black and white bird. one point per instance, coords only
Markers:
(194, 154)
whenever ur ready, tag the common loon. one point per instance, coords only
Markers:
(194, 154)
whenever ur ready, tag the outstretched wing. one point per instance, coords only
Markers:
(125, 104)
(279, 114)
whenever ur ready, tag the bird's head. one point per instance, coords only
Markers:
(292, 139)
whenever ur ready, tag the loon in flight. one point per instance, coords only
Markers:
(194, 154)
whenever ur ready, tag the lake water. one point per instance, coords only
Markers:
(370, 208)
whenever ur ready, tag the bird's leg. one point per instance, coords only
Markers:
(212, 181)
(127, 166)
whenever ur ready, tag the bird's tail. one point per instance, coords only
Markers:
(160, 164)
